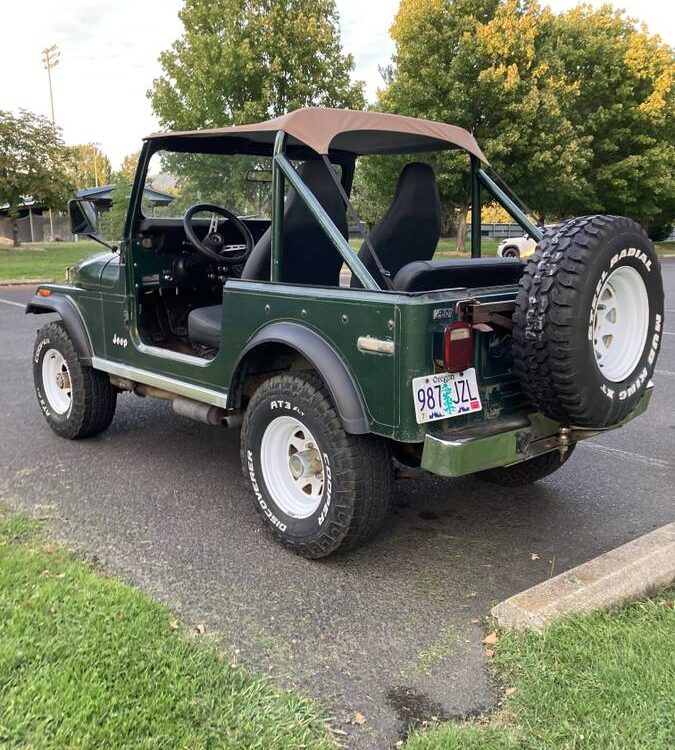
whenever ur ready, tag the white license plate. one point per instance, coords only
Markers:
(446, 394)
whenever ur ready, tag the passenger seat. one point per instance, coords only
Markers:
(410, 229)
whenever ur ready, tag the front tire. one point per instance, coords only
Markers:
(318, 488)
(76, 400)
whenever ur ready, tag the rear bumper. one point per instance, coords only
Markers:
(507, 442)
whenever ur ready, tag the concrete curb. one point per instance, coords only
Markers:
(628, 572)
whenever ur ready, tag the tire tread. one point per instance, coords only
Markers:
(362, 465)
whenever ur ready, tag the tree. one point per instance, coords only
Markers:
(487, 66)
(33, 163)
(90, 166)
(112, 221)
(127, 170)
(244, 60)
(625, 107)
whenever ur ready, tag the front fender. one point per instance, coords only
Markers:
(71, 318)
(324, 359)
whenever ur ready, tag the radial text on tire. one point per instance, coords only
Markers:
(588, 321)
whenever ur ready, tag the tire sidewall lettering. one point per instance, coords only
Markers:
(41, 348)
(624, 395)
(557, 305)
(293, 528)
(634, 384)
(259, 496)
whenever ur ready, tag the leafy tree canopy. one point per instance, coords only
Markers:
(33, 162)
(89, 166)
(576, 110)
(624, 106)
(127, 170)
(239, 61)
(486, 65)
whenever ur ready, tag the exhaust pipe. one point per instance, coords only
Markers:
(185, 407)
(200, 412)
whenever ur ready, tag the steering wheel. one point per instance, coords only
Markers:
(213, 245)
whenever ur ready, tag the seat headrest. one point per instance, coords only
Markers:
(417, 182)
(317, 178)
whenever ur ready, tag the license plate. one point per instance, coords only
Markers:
(446, 394)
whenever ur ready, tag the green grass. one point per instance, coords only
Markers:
(42, 262)
(604, 682)
(447, 247)
(88, 662)
(665, 248)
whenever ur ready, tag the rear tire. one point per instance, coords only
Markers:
(76, 400)
(317, 488)
(510, 252)
(526, 472)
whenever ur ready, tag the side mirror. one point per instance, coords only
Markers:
(83, 220)
(82, 216)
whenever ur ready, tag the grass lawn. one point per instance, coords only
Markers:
(604, 682)
(42, 262)
(89, 662)
(665, 248)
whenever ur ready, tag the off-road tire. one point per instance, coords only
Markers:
(93, 398)
(553, 332)
(359, 468)
(526, 472)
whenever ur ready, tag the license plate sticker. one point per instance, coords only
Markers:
(445, 394)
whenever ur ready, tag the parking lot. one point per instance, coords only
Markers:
(392, 631)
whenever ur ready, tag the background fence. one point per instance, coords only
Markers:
(36, 228)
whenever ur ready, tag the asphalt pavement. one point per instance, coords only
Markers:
(391, 631)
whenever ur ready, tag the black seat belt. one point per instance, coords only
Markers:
(380, 268)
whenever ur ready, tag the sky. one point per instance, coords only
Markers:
(109, 58)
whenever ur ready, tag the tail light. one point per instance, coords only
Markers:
(458, 347)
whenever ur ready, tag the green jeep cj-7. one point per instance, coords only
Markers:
(335, 361)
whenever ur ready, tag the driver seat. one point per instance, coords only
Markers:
(309, 255)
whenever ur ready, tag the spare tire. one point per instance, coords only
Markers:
(588, 321)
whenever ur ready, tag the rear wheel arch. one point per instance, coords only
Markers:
(72, 320)
(295, 347)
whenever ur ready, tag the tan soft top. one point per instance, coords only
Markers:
(323, 128)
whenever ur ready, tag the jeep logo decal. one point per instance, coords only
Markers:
(119, 341)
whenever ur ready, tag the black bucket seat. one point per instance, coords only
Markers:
(410, 229)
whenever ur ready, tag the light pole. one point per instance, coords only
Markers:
(50, 59)
(95, 147)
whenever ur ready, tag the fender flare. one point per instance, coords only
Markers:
(324, 359)
(71, 317)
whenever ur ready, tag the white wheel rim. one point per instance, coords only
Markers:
(620, 323)
(56, 382)
(292, 467)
